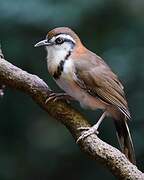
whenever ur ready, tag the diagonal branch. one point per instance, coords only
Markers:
(36, 88)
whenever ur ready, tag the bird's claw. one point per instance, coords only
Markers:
(88, 132)
(83, 128)
(57, 96)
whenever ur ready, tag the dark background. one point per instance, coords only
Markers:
(32, 144)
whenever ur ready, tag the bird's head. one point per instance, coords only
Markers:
(61, 39)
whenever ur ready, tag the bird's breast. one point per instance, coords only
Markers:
(67, 83)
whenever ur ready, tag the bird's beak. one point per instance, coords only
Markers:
(42, 43)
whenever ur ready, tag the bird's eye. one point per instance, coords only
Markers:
(59, 40)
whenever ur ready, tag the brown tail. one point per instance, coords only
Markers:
(125, 140)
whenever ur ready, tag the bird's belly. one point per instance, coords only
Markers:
(86, 100)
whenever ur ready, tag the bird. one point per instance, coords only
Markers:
(86, 77)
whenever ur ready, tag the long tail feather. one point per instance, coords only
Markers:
(125, 140)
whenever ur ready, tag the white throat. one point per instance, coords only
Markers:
(55, 55)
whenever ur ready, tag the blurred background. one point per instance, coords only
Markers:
(32, 144)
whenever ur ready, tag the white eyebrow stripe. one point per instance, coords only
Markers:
(64, 36)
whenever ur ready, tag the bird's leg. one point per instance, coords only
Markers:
(91, 130)
(58, 96)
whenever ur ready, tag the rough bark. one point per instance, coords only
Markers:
(36, 88)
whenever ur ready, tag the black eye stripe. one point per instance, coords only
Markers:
(64, 40)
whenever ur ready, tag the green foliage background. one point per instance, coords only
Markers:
(34, 146)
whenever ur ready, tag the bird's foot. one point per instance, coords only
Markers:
(88, 132)
(91, 130)
(58, 96)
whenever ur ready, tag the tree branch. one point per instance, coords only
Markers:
(35, 87)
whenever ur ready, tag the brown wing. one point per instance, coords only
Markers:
(99, 81)
(96, 78)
